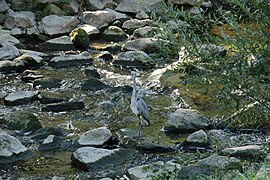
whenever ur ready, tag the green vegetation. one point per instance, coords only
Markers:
(234, 82)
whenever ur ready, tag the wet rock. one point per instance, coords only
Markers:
(148, 45)
(3, 6)
(119, 16)
(92, 73)
(133, 6)
(53, 9)
(6, 39)
(98, 19)
(11, 66)
(52, 142)
(114, 33)
(47, 82)
(105, 56)
(92, 31)
(144, 32)
(22, 19)
(84, 58)
(8, 52)
(99, 5)
(90, 158)
(62, 43)
(12, 150)
(19, 98)
(95, 137)
(198, 137)
(24, 121)
(30, 61)
(52, 97)
(55, 25)
(80, 39)
(138, 59)
(246, 152)
(130, 25)
(146, 172)
(93, 84)
(43, 133)
(185, 120)
(63, 106)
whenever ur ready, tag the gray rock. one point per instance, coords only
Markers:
(98, 19)
(134, 6)
(43, 133)
(3, 6)
(20, 4)
(32, 53)
(148, 45)
(147, 145)
(192, 171)
(30, 61)
(185, 120)
(56, 25)
(8, 52)
(114, 33)
(53, 97)
(95, 137)
(6, 39)
(146, 172)
(2, 18)
(24, 121)
(19, 97)
(22, 19)
(16, 31)
(7, 66)
(93, 84)
(141, 15)
(90, 30)
(29, 76)
(186, 2)
(52, 142)
(71, 60)
(138, 59)
(145, 32)
(130, 25)
(119, 16)
(12, 150)
(62, 43)
(99, 5)
(267, 157)
(47, 82)
(90, 158)
(246, 152)
(70, 7)
(198, 137)
(216, 162)
(63, 106)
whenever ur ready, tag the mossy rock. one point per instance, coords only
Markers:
(114, 33)
(53, 9)
(80, 38)
(24, 121)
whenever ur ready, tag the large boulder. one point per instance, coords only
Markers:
(22, 19)
(134, 6)
(8, 51)
(12, 150)
(185, 120)
(95, 137)
(24, 121)
(55, 25)
(138, 59)
(98, 19)
(61, 61)
(90, 158)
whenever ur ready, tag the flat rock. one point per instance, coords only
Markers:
(95, 137)
(43, 133)
(134, 6)
(98, 19)
(93, 84)
(24, 121)
(90, 158)
(63, 106)
(90, 30)
(7, 66)
(53, 97)
(185, 120)
(84, 58)
(122, 17)
(130, 25)
(147, 45)
(138, 59)
(147, 172)
(22, 19)
(62, 43)
(246, 152)
(12, 150)
(47, 82)
(8, 39)
(19, 98)
(56, 25)
(8, 52)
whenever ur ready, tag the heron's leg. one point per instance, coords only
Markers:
(140, 129)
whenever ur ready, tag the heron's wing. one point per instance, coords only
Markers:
(143, 110)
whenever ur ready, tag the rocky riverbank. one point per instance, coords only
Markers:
(64, 105)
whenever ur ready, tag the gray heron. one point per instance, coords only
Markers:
(138, 105)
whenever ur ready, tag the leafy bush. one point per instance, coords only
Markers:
(242, 74)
